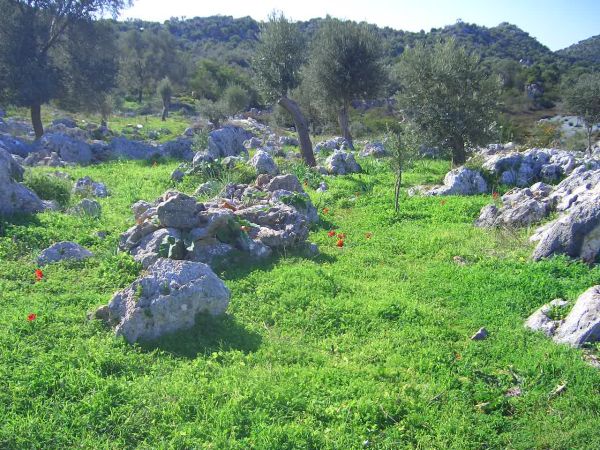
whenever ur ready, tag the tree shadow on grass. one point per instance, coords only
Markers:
(6, 222)
(209, 334)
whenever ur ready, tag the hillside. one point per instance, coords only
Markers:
(232, 40)
(587, 50)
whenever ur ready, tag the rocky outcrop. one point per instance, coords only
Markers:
(580, 326)
(335, 143)
(62, 251)
(227, 141)
(520, 207)
(461, 181)
(342, 163)
(70, 150)
(251, 219)
(14, 197)
(166, 299)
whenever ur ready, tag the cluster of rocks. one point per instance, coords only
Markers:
(579, 327)
(374, 150)
(335, 143)
(177, 239)
(274, 213)
(460, 181)
(575, 233)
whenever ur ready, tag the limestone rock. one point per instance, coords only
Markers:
(63, 251)
(167, 299)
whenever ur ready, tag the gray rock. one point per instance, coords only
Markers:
(253, 142)
(147, 251)
(124, 148)
(481, 334)
(63, 251)
(178, 211)
(322, 187)
(89, 208)
(461, 181)
(211, 187)
(541, 321)
(331, 144)
(287, 182)
(582, 324)
(167, 299)
(576, 234)
(15, 145)
(87, 186)
(70, 150)
(227, 141)
(374, 149)
(264, 163)
(14, 197)
(179, 148)
(202, 158)
(342, 163)
(139, 208)
(177, 176)
(520, 207)
(288, 140)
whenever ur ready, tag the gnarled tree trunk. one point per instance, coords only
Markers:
(344, 122)
(165, 111)
(36, 120)
(302, 128)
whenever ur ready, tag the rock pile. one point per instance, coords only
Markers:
(461, 181)
(342, 163)
(252, 219)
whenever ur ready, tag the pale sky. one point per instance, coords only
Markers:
(555, 23)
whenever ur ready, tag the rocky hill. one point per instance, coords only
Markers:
(587, 50)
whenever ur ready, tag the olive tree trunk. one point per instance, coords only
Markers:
(589, 136)
(344, 122)
(302, 128)
(165, 111)
(36, 120)
(459, 155)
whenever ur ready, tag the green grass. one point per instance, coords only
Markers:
(368, 343)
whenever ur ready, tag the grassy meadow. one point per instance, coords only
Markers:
(365, 346)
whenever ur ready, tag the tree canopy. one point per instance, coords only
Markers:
(448, 96)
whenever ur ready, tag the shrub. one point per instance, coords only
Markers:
(544, 135)
(49, 187)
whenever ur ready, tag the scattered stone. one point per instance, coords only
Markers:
(284, 182)
(63, 251)
(481, 334)
(331, 144)
(520, 207)
(208, 188)
(69, 149)
(288, 140)
(322, 187)
(178, 211)
(227, 141)
(166, 299)
(87, 186)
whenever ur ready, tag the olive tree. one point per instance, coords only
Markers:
(448, 96)
(34, 48)
(280, 54)
(583, 100)
(403, 146)
(345, 65)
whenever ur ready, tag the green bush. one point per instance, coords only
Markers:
(49, 187)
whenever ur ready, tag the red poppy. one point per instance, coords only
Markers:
(340, 243)
(331, 233)
(341, 236)
(495, 196)
(443, 202)
(31, 317)
(38, 275)
(369, 235)
(325, 210)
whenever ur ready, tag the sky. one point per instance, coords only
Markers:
(555, 23)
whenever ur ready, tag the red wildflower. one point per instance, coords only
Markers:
(341, 235)
(325, 210)
(38, 275)
(369, 235)
(340, 243)
(331, 233)
(495, 196)
(31, 317)
(443, 202)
